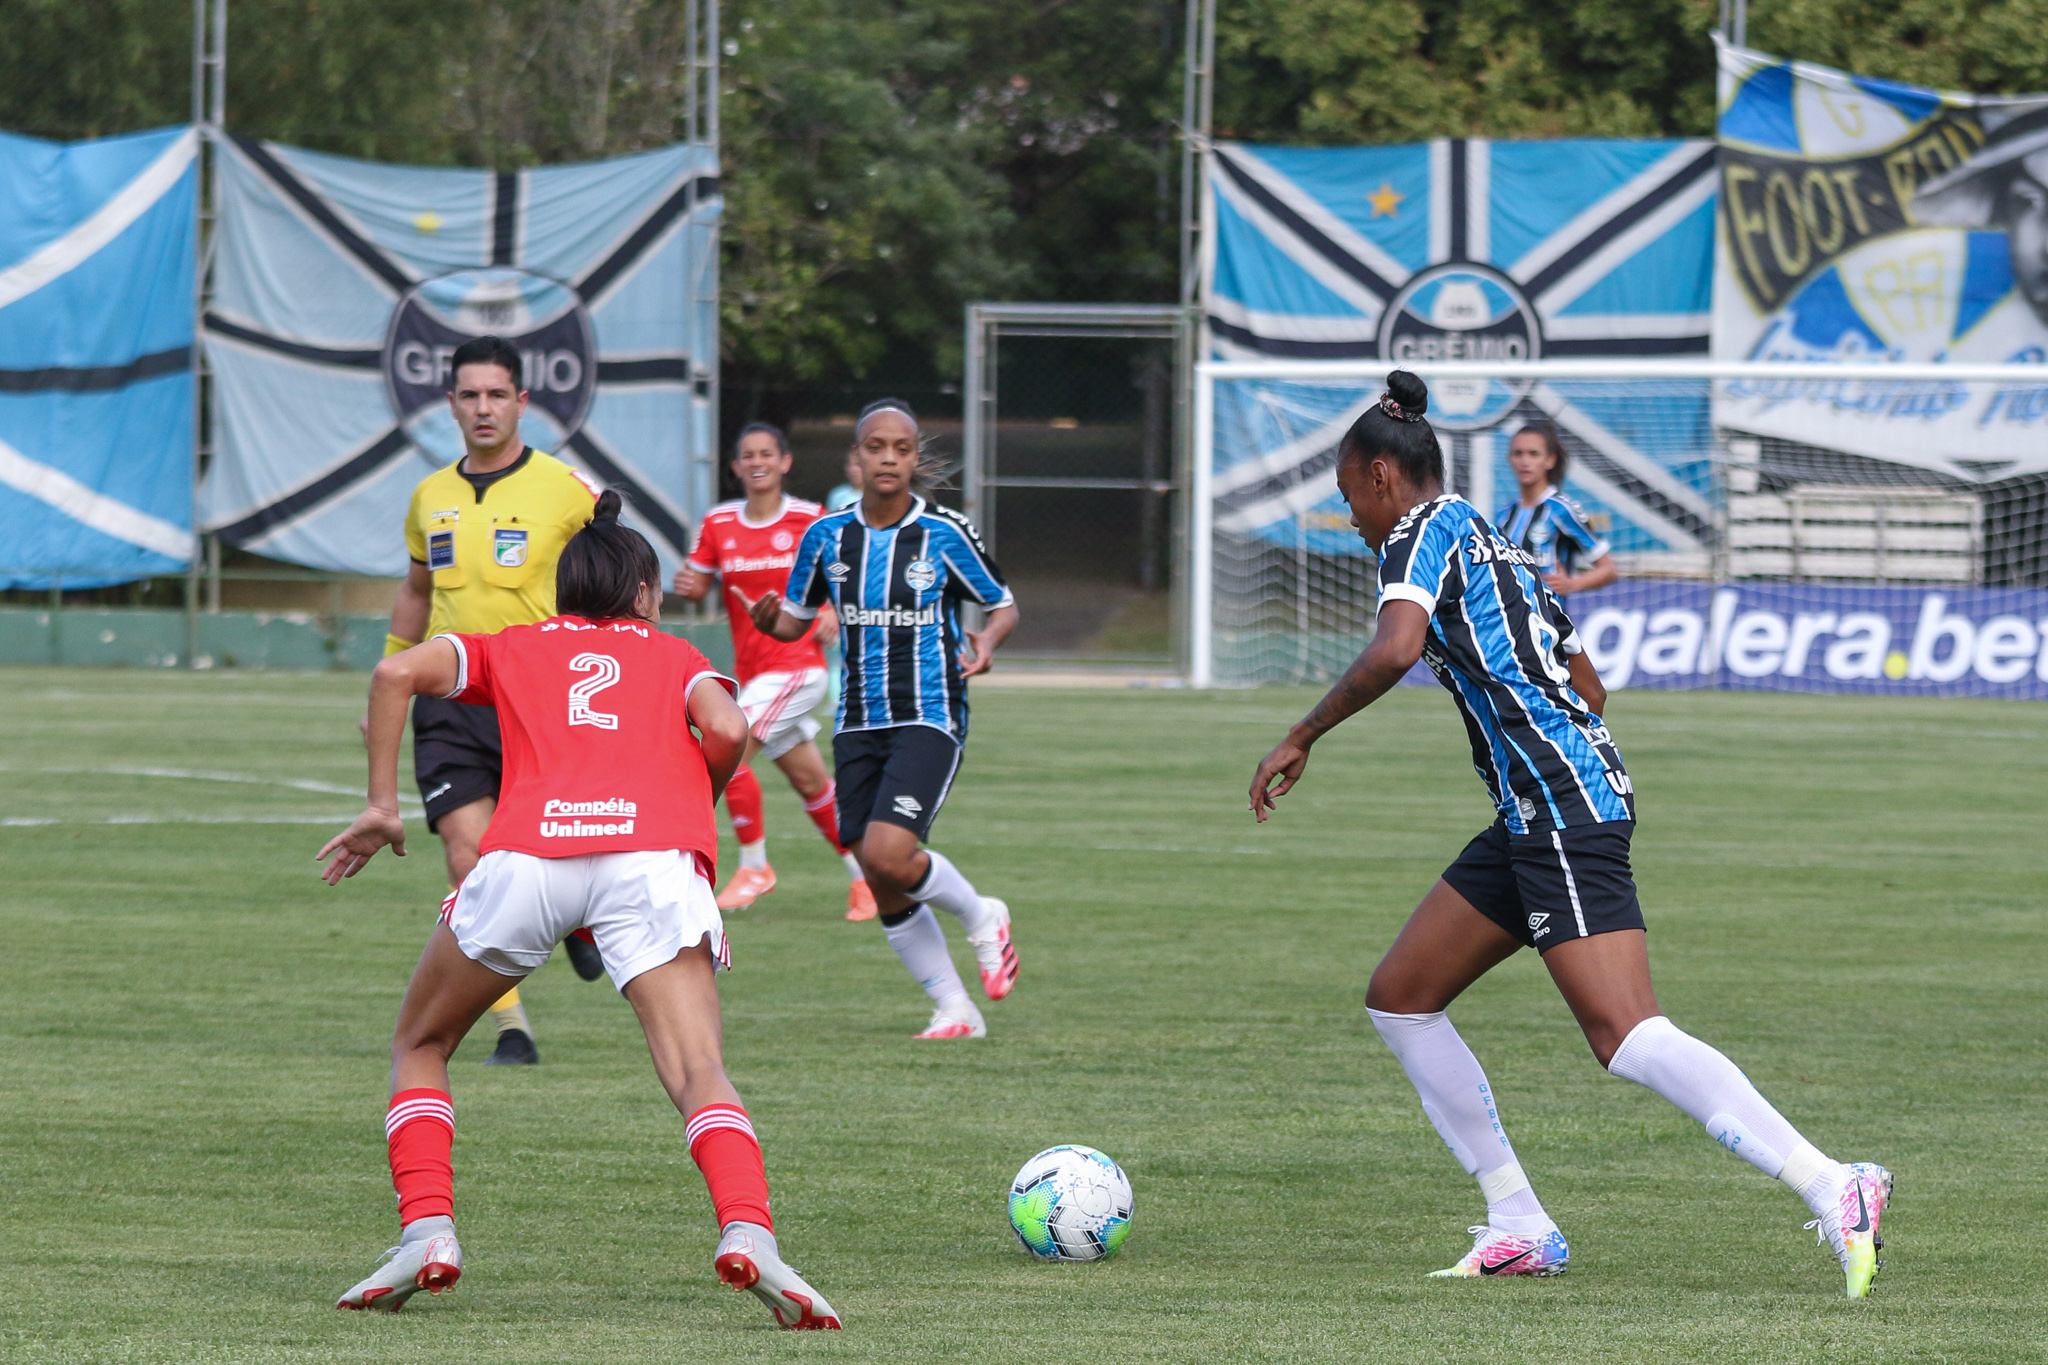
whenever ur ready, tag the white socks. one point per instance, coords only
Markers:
(754, 855)
(1659, 1055)
(1460, 1104)
(853, 868)
(945, 888)
(922, 945)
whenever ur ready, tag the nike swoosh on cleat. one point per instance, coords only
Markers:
(1862, 1211)
(1486, 1269)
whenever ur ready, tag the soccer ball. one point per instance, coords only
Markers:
(1071, 1203)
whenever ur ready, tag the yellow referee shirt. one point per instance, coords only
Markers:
(491, 540)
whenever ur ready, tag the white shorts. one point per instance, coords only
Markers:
(642, 908)
(779, 706)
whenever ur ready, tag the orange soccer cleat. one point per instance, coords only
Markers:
(860, 901)
(748, 885)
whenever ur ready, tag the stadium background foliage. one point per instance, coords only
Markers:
(887, 162)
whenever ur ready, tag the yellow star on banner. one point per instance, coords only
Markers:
(429, 222)
(1385, 201)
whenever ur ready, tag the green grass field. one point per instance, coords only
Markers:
(1844, 894)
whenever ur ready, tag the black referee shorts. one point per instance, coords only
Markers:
(456, 754)
(899, 776)
(1546, 889)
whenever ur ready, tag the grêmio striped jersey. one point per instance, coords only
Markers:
(1555, 531)
(1498, 641)
(897, 590)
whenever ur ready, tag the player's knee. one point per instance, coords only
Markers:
(1388, 993)
(897, 871)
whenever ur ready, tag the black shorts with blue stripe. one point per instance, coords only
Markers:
(1550, 888)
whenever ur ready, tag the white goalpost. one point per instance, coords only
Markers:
(1845, 474)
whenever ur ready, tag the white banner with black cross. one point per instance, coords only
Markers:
(342, 287)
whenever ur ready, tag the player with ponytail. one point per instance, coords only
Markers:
(1553, 871)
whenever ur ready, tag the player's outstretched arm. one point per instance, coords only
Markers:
(1586, 682)
(1395, 647)
(982, 644)
(432, 668)
(721, 732)
(771, 619)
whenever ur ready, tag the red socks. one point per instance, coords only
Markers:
(824, 813)
(723, 1146)
(420, 1128)
(743, 803)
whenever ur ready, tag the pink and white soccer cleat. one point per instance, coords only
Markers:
(1849, 1224)
(1503, 1253)
(994, 951)
(954, 1024)
(747, 1259)
(431, 1263)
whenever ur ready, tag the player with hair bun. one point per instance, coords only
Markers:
(604, 821)
(895, 567)
(1553, 871)
(748, 545)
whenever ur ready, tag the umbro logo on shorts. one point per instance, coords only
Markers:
(438, 790)
(1536, 923)
(909, 805)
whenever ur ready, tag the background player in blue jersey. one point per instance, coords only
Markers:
(1553, 871)
(895, 567)
(1570, 555)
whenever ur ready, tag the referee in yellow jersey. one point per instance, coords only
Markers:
(484, 534)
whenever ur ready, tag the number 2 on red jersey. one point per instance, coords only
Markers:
(604, 672)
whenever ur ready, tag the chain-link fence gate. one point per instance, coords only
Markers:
(1075, 471)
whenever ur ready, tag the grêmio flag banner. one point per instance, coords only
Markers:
(1457, 249)
(342, 287)
(96, 260)
(1865, 220)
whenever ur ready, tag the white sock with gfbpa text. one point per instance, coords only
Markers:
(1459, 1102)
(1660, 1056)
(921, 944)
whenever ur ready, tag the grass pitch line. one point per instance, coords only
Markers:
(34, 821)
(201, 775)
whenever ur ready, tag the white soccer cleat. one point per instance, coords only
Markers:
(953, 1023)
(994, 951)
(1849, 1224)
(1503, 1253)
(747, 1259)
(430, 1263)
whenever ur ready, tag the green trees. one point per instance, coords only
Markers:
(886, 160)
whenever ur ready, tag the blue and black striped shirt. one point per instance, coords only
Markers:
(1498, 641)
(1555, 531)
(897, 590)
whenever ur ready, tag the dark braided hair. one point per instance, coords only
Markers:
(1393, 427)
(602, 567)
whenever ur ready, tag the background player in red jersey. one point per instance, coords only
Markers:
(749, 545)
(604, 820)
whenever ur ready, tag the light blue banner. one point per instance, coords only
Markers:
(96, 296)
(342, 287)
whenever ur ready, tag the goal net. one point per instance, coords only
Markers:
(1713, 471)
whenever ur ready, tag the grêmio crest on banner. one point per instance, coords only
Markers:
(1864, 220)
